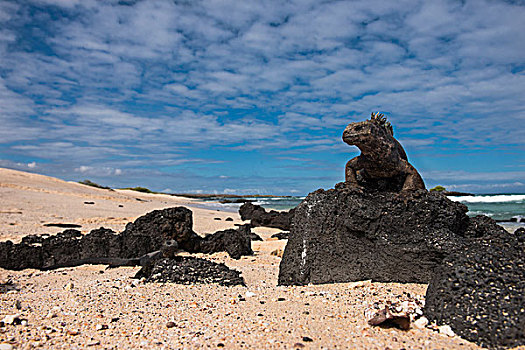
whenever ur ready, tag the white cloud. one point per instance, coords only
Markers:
(153, 83)
(98, 171)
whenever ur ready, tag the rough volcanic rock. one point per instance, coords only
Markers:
(150, 231)
(456, 193)
(39, 252)
(520, 234)
(344, 235)
(61, 225)
(248, 210)
(101, 242)
(517, 219)
(236, 242)
(281, 235)
(248, 228)
(259, 216)
(475, 268)
(255, 237)
(479, 291)
(147, 234)
(190, 270)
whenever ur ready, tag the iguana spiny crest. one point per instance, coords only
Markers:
(379, 118)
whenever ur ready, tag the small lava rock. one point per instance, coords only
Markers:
(189, 270)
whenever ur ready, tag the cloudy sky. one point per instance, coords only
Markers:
(252, 96)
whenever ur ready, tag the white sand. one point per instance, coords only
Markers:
(61, 315)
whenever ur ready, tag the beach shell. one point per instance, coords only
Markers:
(399, 313)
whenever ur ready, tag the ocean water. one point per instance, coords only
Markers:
(497, 206)
(277, 203)
(501, 207)
(507, 209)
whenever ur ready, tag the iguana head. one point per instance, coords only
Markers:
(360, 132)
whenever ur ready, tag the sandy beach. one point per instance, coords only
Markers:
(91, 306)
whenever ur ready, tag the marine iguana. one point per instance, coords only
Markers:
(382, 164)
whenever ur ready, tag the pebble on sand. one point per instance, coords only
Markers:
(72, 332)
(446, 330)
(421, 322)
(101, 327)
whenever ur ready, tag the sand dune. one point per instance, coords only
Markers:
(30, 200)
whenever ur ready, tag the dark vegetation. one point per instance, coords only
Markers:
(140, 189)
(443, 190)
(94, 184)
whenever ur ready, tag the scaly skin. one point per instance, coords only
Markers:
(382, 156)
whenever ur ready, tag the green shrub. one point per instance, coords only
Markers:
(438, 188)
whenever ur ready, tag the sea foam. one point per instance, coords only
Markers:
(499, 198)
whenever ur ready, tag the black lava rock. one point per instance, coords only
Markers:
(255, 237)
(479, 291)
(344, 235)
(520, 234)
(61, 225)
(281, 235)
(147, 234)
(236, 242)
(476, 269)
(101, 242)
(189, 270)
(259, 217)
(150, 231)
(38, 252)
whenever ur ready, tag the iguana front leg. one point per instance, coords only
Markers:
(413, 181)
(351, 170)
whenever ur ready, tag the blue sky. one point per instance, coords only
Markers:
(252, 96)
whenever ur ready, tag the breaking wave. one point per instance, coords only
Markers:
(497, 198)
